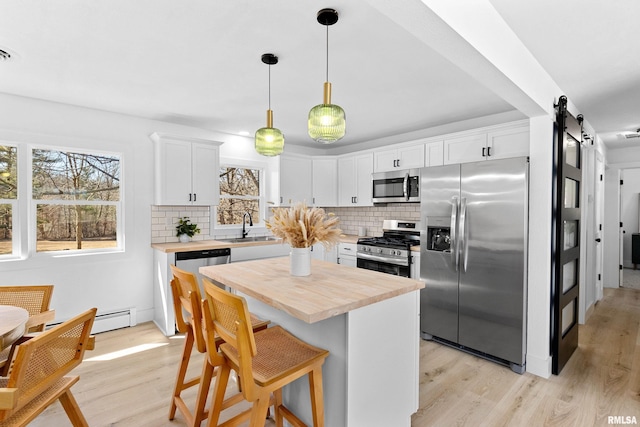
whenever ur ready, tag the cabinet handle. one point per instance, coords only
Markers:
(355, 199)
(488, 151)
(189, 196)
(313, 200)
(194, 197)
(483, 149)
(398, 163)
(280, 199)
(394, 163)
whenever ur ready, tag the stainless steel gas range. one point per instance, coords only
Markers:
(390, 253)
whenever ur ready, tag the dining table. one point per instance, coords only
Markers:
(13, 321)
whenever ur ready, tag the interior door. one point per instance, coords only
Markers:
(566, 262)
(599, 211)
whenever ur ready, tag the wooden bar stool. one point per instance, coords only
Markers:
(266, 361)
(187, 304)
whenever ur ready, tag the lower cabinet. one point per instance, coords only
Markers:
(319, 252)
(259, 252)
(347, 254)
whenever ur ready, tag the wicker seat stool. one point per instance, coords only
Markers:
(266, 360)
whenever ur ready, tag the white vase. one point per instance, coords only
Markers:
(300, 261)
(184, 238)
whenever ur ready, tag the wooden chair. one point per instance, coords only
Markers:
(37, 378)
(35, 299)
(187, 304)
(266, 360)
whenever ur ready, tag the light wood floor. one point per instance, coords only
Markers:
(456, 389)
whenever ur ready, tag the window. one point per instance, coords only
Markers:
(76, 199)
(8, 196)
(240, 192)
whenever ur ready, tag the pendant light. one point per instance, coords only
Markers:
(269, 141)
(327, 121)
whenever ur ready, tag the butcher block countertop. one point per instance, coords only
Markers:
(203, 245)
(330, 290)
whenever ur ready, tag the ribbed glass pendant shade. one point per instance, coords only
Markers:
(327, 123)
(269, 141)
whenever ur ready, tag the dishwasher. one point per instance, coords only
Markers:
(192, 261)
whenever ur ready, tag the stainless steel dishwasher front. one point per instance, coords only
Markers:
(191, 261)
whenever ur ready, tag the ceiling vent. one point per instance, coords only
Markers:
(633, 135)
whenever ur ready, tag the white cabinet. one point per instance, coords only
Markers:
(319, 252)
(494, 144)
(295, 180)
(512, 142)
(408, 157)
(433, 153)
(354, 180)
(325, 181)
(186, 170)
(246, 253)
(347, 254)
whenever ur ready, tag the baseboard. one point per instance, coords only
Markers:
(539, 366)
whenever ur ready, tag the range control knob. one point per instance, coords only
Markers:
(379, 250)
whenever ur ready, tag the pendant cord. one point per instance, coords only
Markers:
(327, 53)
(269, 86)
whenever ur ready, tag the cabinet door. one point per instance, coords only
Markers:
(325, 182)
(173, 173)
(317, 251)
(295, 180)
(465, 149)
(347, 181)
(205, 174)
(433, 153)
(347, 254)
(385, 160)
(364, 169)
(508, 143)
(411, 157)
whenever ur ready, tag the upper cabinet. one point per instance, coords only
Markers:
(407, 157)
(325, 181)
(354, 180)
(433, 153)
(186, 170)
(295, 179)
(494, 144)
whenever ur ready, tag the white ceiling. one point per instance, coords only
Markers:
(198, 63)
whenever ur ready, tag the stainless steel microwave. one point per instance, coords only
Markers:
(396, 186)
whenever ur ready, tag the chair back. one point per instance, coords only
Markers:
(41, 361)
(33, 298)
(227, 315)
(187, 304)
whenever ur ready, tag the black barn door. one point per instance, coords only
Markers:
(566, 270)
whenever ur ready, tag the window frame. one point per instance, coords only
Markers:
(33, 204)
(16, 206)
(262, 198)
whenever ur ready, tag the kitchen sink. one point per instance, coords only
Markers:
(249, 239)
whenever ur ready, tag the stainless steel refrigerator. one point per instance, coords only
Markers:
(474, 257)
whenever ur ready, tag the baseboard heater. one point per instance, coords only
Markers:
(111, 320)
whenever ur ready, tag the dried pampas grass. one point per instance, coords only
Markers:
(303, 227)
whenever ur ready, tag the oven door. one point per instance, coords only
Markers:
(383, 267)
(396, 186)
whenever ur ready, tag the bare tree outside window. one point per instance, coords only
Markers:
(77, 199)
(239, 193)
(8, 196)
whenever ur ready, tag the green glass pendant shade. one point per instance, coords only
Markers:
(269, 142)
(327, 123)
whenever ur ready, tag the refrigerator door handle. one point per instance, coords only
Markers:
(454, 241)
(464, 247)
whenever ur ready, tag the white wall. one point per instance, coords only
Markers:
(106, 281)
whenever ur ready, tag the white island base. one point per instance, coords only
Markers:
(370, 378)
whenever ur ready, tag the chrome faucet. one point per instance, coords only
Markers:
(244, 215)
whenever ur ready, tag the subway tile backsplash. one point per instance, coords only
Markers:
(165, 218)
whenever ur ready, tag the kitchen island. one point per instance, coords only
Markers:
(369, 322)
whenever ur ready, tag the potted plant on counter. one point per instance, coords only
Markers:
(302, 227)
(185, 230)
